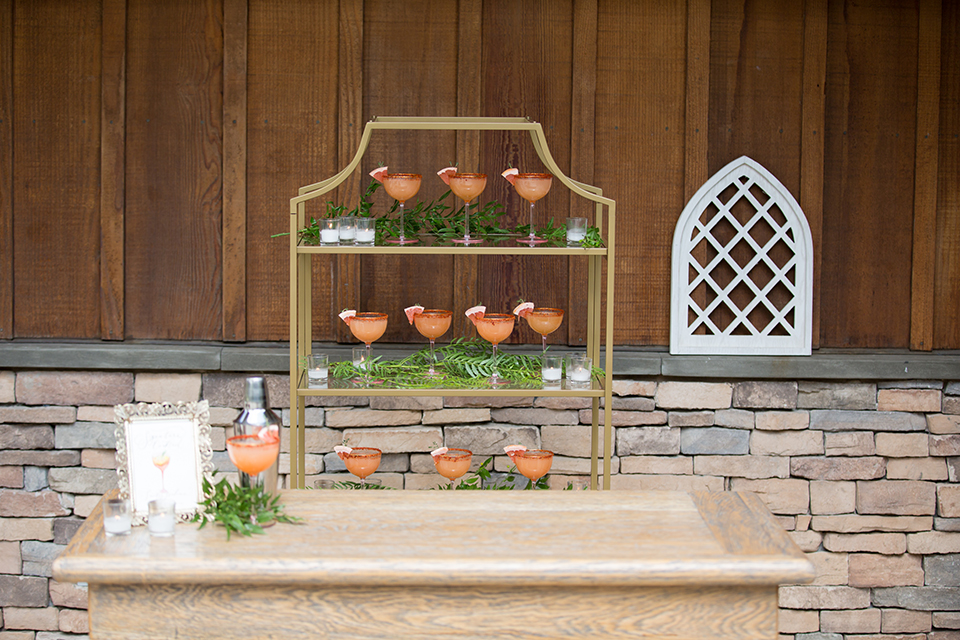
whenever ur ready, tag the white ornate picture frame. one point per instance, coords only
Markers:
(178, 433)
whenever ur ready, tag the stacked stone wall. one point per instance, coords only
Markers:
(864, 476)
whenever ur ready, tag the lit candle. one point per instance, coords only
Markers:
(366, 236)
(161, 518)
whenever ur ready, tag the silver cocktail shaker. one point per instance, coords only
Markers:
(257, 415)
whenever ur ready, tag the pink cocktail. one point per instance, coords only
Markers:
(452, 463)
(362, 462)
(467, 186)
(253, 454)
(532, 463)
(495, 328)
(401, 187)
(544, 320)
(433, 323)
(532, 187)
(368, 327)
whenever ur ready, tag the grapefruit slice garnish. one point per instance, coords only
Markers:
(413, 312)
(342, 451)
(347, 315)
(523, 309)
(475, 313)
(439, 452)
(445, 174)
(514, 449)
(511, 175)
(269, 434)
(378, 173)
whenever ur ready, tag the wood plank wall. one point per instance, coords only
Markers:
(148, 151)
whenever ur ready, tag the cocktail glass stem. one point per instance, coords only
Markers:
(532, 234)
(466, 221)
(366, 365)
(163, 484)
(544, 337)
(433, 358)
(495, 376)
(402, 227)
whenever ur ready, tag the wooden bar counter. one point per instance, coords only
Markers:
(438, 564)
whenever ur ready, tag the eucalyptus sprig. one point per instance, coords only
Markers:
(240, 509)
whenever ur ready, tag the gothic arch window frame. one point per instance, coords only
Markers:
(692, 330)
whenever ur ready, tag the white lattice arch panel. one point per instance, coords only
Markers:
(742, 269)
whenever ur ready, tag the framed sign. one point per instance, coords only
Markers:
(163, 449)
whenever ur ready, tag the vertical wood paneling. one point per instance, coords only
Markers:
(234, 170)
(56, 148)
(292, 125)
(869, 175)
(641, 97)
(583, 116)
(697, 106)
(466, 269)
(811, 138)
(925, 179)
(350, 126)
(6, 169)
(112, 168)
(527, 71)
(174, 162)
(946, 324)
(409, 70)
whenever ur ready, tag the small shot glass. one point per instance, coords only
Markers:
(161, 517)
(348, 230)
(360, 357)
(366, 231)
(317, 368)
(579, 368)
(330, 231)
(576, 231)
(116, 517)
(550, 371)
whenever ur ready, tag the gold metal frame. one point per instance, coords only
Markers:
(300, 298)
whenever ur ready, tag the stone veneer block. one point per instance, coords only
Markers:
(72, 621)
(81, 480)
(407, 403)
(625, 418)
(917, 598)
(38, 415)
(849, 443)
(917, 469)
(74, 388)
(942, 570)
(832, 497)
(823, 597)
(45, 619)
(836, 395)
(940, 424)
(622, 482)
(952, 389)
(786, 443)
(634, 388)
(830, 568)
(694, 395)
(838, 468)
(782, 420)
(928, 542)
(566, 440)
(714, 440)
(734, 418)
(948, 500)
(11, 477)
(227, 389)
(535, 416)
(456, 416)
(312, 464)
(896, 497)
(10, 558)
(457, 402)
(946, 445)
(648, 441)
(883, 543)
(167, 387)
(346, 418)
(487, 440)
(780, 495)
(87, 435)
(951, 404)
(621, 404)
(797, 621)
(864, 524)
(96, 414)
(26, 529)
(946, 620)
(874, 570)
(312, 417)
(917, 400)
(690, 418)
(26, 504)
(754, 467)
(866, 421)
(765, 395)
(808, 541)
(654, 465)
(7, 385)
(565, 404)
(851, 621)
(23, 591)
(903, 621)
(902, 445)
(396, 440)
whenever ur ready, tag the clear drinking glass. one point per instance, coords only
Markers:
(550, 371)
(579, 371)
(366, 231)
(116, 517)
(330, 231)
(161, 517)
(348, 230)
(317, 370)
(576, 231)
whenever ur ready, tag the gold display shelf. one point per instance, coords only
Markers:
(599, 320)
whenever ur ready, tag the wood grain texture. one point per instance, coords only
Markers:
(113, 114)
(696, 121)
(292, 98)
(416, 565)
(409, 49)
(641, 97)
(870, 134)
(812, 139)
(234, 170)
(6, 169)
(56, 148)
(946, 324)
(174, 168)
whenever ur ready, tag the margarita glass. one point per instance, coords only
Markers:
(161, 462)
(467, 186)
(531, 187)
(452, 463)
(544, 320)
(253, 454)
(368, 327)
(532, 463)
(433, 323)
(401, 187)
(495, 328)
(361, 461)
